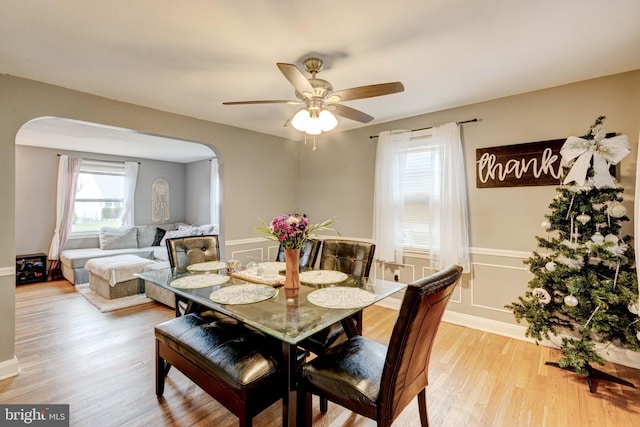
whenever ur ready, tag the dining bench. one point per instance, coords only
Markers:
(234, 363)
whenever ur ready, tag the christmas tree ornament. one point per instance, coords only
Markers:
(611, 238)
(638, 335)
(550, 266)
(570, 300)
(597, 238)
(546, 225)
(542, 295)
(634, 308)
(578, 154)
(617, 210)
(583, 218)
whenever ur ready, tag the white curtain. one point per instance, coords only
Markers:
(391, 156)
(68, 170)
(450, 242)
(130, 177)
(214, 197)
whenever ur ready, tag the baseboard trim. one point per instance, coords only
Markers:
(7, 271)
(616, 355)
(612, 354)
(9, 368)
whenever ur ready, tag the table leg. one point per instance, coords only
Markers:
(289, 401)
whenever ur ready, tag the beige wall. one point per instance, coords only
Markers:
(337, 180)
(249, 186)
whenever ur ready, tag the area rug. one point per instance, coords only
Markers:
(106, 305)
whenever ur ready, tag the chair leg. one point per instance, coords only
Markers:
(422, 408)
(308, 413)
(245, 420)
(324, 405)
(160, 374)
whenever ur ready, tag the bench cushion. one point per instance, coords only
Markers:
(236, 355)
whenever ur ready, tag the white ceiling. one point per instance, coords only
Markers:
(188, 57)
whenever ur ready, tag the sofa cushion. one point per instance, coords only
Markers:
(77, 258)
(160, 253)
(146, 233)
(118, 237)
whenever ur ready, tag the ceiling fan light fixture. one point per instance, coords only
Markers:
(314, 122)
(327, 120)
(301, 120)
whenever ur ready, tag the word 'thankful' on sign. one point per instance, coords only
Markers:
(533, 163)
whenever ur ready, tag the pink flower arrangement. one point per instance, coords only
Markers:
(292, 230)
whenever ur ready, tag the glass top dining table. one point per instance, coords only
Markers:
(324, 298)
(290, 315)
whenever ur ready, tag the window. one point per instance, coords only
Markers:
(418, 182)
(99, 196)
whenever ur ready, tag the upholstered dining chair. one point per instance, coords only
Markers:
(351, 257)
(379, 381)
(184, 251)
(308, 254)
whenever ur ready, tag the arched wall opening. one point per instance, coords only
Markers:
(186, 165)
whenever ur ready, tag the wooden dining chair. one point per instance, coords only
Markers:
(379, 381)
(308, 254)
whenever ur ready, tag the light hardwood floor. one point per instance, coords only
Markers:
(102, 365)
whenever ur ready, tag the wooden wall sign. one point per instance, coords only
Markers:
(533, 163)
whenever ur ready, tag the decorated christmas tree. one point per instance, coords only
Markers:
(585, 287)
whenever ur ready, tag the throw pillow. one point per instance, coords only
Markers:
(206, 229)
(118, 238)
(159, 235)
(180, 233)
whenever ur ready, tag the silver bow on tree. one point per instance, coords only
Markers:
(604, 152)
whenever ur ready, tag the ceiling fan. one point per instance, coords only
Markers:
(321, 102)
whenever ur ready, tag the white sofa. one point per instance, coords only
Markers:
(132, 240)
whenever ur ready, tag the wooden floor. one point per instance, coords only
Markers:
(102, 365)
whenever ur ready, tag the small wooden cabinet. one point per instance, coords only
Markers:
(31, 268)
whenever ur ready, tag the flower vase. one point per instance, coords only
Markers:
(292, 273)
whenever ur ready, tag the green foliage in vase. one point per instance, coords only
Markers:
(585, 285)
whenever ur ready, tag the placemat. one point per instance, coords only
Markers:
(207, 266)
(341, 297)
(242, 294)
(322, 277)
(199, 281)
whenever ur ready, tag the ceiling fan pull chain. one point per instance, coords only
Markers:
(314, 143)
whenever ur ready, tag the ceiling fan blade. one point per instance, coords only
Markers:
(350, 113)
(271, 101)
(297, 79)
(365, 92)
